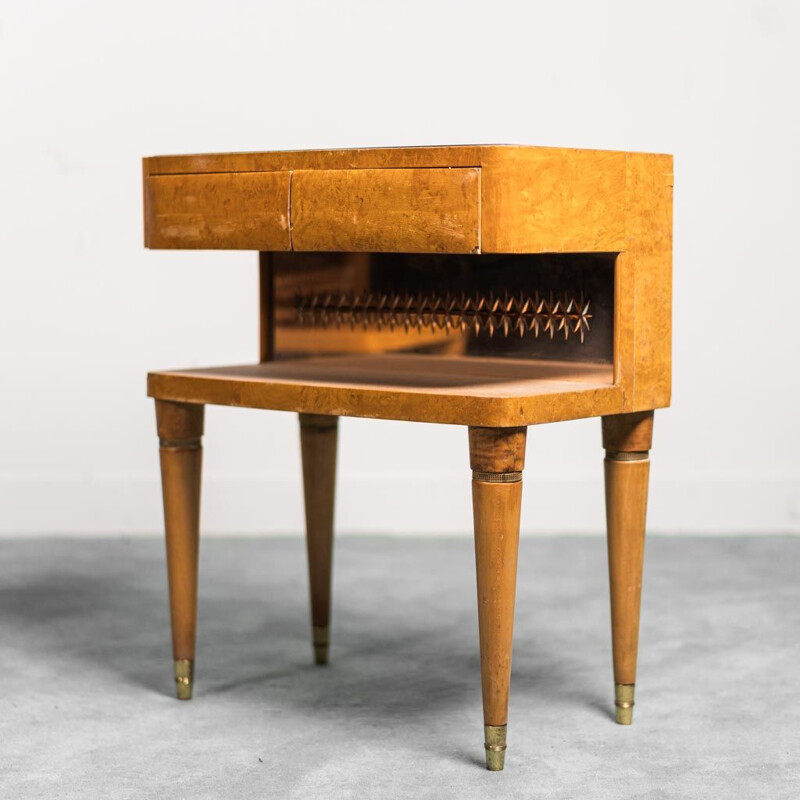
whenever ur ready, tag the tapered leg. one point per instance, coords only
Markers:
(497, 458)
(318, 438)
(180, 429)
(627, 439)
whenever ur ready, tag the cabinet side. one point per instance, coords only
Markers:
(550, 200)
(648, 265)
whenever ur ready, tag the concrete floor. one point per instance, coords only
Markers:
(86, 707)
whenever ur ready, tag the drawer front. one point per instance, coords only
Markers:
(387, 210)
(226, 211)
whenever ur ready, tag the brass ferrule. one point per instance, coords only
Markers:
(632, 455)
(320, 636)
(496, 477)
(184, 678)
(495, 746)
(623, 700)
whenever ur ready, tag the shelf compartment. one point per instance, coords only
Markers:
(556, 306)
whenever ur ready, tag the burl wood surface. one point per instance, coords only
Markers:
(461, 391)
(644, 279)
(235, 211)
(372, 210)
(628, 433)
(548, 200)
(497, 450)
(532, 199)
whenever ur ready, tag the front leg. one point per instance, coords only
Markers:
(318, 439)
(497, 457)
(627, 439)
(180, 428)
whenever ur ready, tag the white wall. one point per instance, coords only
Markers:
(88, 88)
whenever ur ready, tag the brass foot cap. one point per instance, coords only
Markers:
(184, 678)
(320, 636)
(495, 746)
(623, 700)
(320, 653)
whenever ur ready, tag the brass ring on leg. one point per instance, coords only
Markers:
(496, 477)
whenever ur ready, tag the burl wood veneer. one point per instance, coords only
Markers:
(491, 287)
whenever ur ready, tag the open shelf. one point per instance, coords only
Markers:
(486, 391)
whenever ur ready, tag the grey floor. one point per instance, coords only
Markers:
(86, 707)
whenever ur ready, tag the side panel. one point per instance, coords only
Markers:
(650, 183)
(553, 201)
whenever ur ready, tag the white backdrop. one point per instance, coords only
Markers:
(88, 88)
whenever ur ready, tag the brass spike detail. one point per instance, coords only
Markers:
(478, 313)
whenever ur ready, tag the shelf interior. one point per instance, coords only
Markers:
(480, 377)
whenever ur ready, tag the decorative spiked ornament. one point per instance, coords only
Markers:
(508, 315)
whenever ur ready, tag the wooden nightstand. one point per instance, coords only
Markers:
(493, 287)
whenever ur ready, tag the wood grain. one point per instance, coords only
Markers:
(389, 210)
(649, 231)
(431, 157)
(318, 442)
(626, 486)
(356, 158)
(628, 433)
(497, 449)
(538, 200)
(626, 509)
(496, 512)
(237, 211)
(180, 428)
(532, 199)
(462, 391)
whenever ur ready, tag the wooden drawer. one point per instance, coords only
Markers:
(227, 211)
(387, 210)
